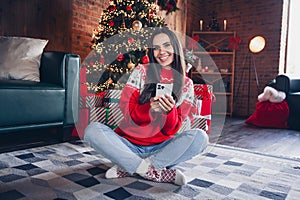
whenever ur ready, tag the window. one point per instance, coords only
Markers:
(290, 39)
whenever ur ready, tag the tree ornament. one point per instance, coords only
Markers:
(129, 8)
(130, 65)
(137, 25)
(145, 59)
(130, 40)
(151, 14)
(109, 81)
(111, 23)
(120, 57)
(112, 8)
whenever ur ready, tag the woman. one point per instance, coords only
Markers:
(146, 141)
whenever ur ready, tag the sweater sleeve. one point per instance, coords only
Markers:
(177, 115)
(139, 113)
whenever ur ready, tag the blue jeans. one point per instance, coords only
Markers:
(128, 155)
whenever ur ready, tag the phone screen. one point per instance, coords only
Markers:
(163, 89)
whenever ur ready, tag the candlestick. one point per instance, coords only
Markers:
(201, 24)
(225, 24)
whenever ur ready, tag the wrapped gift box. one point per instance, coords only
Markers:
(83, 121)
(98, 114)
(202, 106)
(200, 122)
(91, 100)
(186, 125)
(114, 114)
(203, 91)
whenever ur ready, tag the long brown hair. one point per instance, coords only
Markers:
(154, 68)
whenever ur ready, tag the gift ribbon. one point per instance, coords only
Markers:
(111, 100)
(106, 115)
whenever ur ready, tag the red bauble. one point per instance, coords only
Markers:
(129, 8)
(120, 57)
(151, 14)
(145, 59)
(130, 40)
(112, 8)
(111, 23)
(102, 60)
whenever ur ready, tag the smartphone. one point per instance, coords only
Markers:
(163, 89)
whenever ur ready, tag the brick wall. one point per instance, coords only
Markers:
(247, 19)
(86, 15)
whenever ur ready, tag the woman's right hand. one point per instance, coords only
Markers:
(154, 104)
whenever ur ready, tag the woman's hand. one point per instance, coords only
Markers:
(154, 104)
(162, 103)
(166, 103)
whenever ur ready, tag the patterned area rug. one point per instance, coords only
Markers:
(75, 171)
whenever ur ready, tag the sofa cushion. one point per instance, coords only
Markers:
(33, 105)
(20, 57)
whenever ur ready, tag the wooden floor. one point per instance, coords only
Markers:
(234, 132)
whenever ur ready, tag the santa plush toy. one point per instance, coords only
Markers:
(272, 95)
(271, 111)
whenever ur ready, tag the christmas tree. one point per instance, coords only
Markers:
(120, 41)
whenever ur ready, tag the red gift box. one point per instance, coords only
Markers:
(83, 121)
(202, 106)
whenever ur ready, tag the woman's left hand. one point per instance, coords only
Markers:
(166, 103)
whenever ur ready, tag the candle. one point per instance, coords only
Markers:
(201, 24)
(225, 24)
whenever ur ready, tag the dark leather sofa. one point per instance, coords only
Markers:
(52, 102)
(291, 86)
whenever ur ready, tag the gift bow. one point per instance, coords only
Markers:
(234, 42)
(193, 42)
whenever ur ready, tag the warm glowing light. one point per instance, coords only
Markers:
(201, 24)
(225, 25)
(257, 44)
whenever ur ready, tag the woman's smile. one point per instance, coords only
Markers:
(163, 50)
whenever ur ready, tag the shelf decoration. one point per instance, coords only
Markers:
(217, 55)
(193, 42)
(213, 24)
(190, 57)
(234, 42)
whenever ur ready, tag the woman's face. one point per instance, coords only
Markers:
(163, 50)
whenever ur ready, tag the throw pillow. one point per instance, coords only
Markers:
(271, 115)
(20, 57)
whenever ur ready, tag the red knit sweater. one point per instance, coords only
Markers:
(140, 125)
